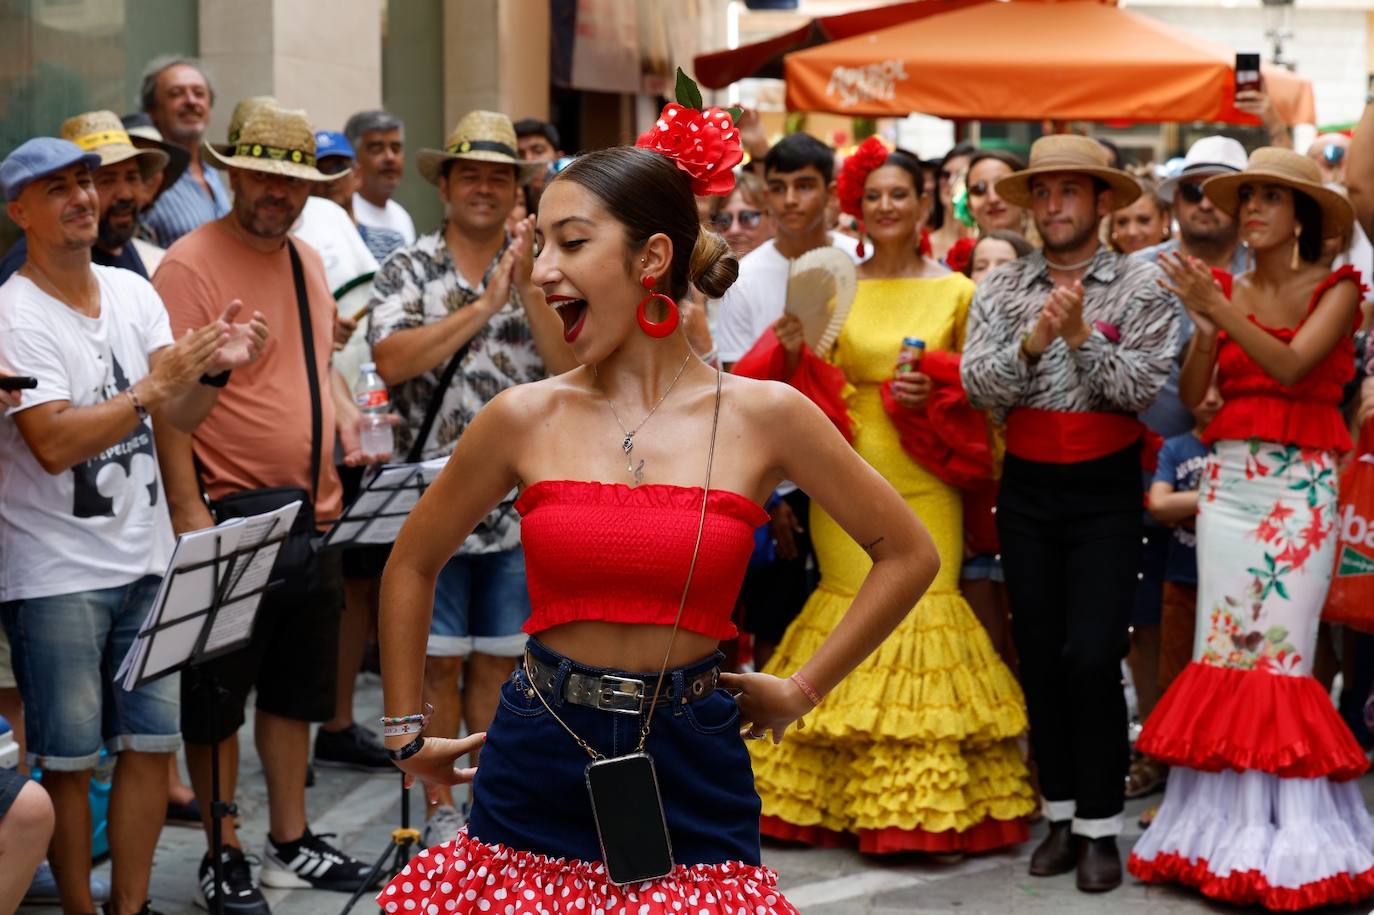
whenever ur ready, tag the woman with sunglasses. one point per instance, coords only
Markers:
(743, 219)
(917, 751)
(1262, 805)
(945, 228)
(636, 538)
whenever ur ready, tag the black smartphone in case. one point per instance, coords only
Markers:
(17, 383)
(1248, 72)
(629, 818)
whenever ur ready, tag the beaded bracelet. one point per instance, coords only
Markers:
(408, 750)
(807, 689)
(400, 726)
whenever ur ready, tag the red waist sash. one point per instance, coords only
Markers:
(1054, 437)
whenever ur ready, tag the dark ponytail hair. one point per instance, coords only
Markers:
(647, 194)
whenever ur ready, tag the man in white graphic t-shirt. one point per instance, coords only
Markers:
(84, 530)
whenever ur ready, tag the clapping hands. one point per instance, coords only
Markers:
(243, 342)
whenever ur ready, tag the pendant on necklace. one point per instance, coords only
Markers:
(639, 472)
(629, 444)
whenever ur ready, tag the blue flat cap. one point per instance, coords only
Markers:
(38, 158)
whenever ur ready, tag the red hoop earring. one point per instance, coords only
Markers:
(671, 318)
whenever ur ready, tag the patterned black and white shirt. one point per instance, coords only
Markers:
(1120, 367)
(418, 285)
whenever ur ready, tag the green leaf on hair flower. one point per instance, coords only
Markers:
(735, 114)
(688, 95)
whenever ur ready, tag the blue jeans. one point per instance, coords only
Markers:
(480, 604)
(531, 793)
(66, 650)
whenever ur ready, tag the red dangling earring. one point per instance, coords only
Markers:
(671, 318)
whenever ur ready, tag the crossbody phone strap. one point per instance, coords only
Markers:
(312, 373)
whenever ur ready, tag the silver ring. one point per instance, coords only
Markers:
(753, 736)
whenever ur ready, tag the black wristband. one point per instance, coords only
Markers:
(408, 750)
(216, 381)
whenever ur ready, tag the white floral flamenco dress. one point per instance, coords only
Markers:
(1262, 806)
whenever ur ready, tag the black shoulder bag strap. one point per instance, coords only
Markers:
(417, 447)
(312, 374)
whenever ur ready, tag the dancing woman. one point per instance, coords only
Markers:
(633, 565)
(917, 750)
(1261, 805)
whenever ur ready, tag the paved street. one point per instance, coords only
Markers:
(363, 809)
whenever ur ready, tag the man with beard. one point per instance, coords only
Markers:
(379, 142)
(176, 93)
(118, 182)
(271, 426)
(1067, 345)
(456, 320)
(82, 517)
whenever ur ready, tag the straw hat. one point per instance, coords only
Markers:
(242, 111)
(102, 133)
(481, 136)
(1272, 165)
(1066, 153)
(276, 141)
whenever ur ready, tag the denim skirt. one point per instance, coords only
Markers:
(531, 794)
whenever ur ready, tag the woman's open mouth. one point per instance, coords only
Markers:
(574, 315)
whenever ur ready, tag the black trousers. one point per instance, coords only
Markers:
(1071, 537)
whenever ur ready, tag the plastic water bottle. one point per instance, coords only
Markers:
(378, 438)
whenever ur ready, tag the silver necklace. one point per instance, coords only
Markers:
(1069, 268)
(628, 444)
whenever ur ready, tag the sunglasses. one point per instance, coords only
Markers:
(748, 219)
(978, 189)
(333, 165)
(946, 176)
(1190, 191)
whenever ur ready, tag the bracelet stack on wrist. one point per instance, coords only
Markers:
(406, 724)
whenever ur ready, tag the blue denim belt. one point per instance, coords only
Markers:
(610, 693)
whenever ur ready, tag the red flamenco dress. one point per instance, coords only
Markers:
(1262, 806)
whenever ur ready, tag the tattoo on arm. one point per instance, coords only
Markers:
(868, 547)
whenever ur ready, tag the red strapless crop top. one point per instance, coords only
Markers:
(1307, 414)
(613, 553)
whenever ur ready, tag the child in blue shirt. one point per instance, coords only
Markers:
(1173, 500)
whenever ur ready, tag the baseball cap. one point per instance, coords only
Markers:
(38, 158)
(1208, 156)
(332, 143)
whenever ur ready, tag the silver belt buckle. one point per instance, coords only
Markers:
(620, 694)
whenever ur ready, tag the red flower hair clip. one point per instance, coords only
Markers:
(703, 144)
(849, 187)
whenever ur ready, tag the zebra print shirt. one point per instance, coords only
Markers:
(1120, 297)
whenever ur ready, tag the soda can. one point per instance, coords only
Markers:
(909, 356)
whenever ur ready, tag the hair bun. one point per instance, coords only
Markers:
(713, 267)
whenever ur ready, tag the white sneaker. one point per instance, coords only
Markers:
(443, 824)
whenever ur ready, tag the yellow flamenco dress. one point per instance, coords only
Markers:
(916, 750)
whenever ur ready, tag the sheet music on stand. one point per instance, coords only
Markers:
(376, 516)
(210, 595)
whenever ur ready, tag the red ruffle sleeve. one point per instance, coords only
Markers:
(822, 382)
(947, 436)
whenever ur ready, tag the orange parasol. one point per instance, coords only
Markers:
(1033, 60)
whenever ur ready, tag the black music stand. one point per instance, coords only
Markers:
(228, 570)
(375, 516)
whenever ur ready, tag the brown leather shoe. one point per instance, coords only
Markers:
(1099, 865)
(1057, 854)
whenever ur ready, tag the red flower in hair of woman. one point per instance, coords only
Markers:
(850, 185)
(704, 144)
(960, 253)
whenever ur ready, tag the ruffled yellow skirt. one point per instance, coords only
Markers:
(916, 750)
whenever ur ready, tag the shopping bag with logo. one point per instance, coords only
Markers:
(1351, 599)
